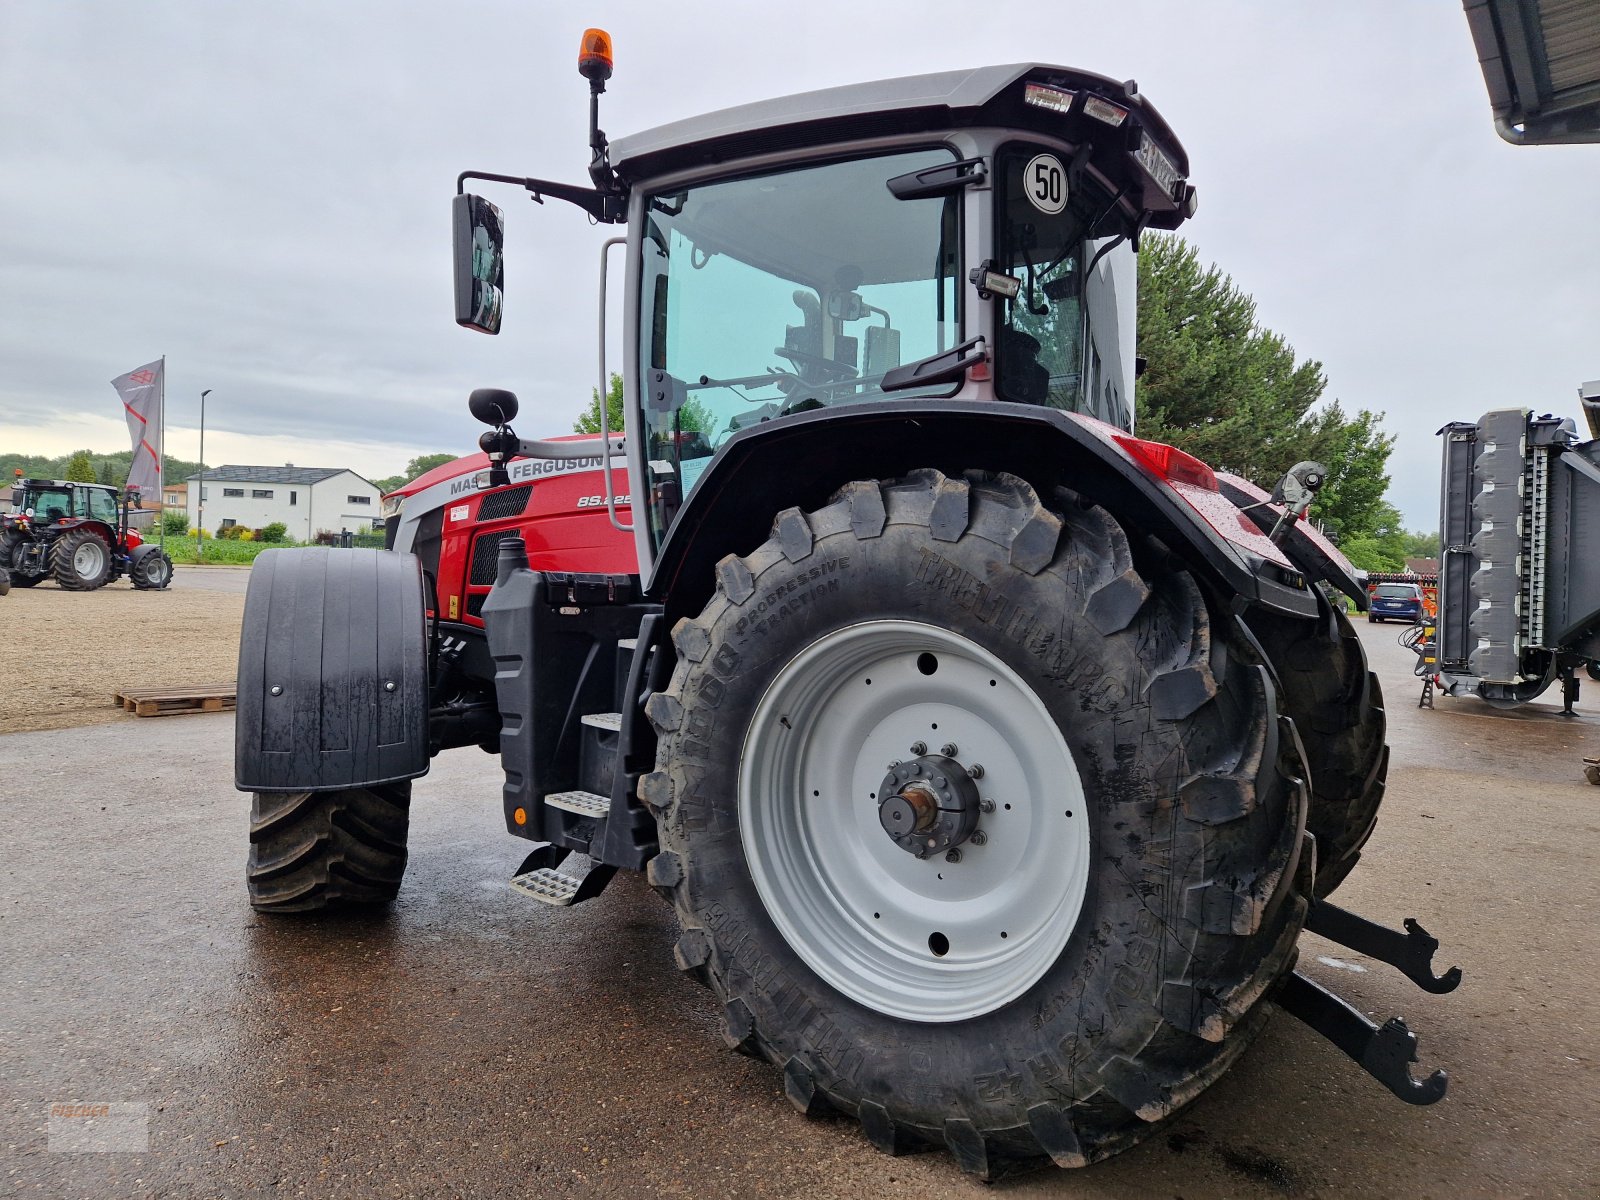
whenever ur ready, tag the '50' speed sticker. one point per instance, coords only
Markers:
(1044, 179)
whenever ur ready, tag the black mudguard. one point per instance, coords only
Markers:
(333, 672)
(800, 459)
(1302, 542)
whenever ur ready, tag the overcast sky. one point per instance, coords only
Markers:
(261, 193)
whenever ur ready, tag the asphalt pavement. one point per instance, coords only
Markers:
(472, 1042)
(211, 579)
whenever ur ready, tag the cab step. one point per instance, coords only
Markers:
(611, 722)
(585, 804)
(550, 886)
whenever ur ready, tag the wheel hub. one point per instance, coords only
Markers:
(930, 805)
(840, 777)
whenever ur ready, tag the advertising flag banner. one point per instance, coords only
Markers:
(140, 390)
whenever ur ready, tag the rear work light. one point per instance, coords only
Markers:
(1105, 111)
(1168, 463)
(1042, 95)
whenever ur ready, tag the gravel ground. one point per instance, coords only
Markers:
(77, 648)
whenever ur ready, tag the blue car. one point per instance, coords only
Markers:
(1395, 602)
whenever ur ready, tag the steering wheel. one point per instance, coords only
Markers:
(832, 372)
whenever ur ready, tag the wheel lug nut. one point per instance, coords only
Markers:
(948, 750)
(893, 763)
(919, 748)
(975, 770)
(978, 838)
(986, 805)
(953, 856)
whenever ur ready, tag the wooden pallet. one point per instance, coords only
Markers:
(176, 698)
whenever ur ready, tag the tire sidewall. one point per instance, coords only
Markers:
(66, 567)
(1093, 1005)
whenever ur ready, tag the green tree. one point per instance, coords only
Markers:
(1380, 547)
(42, 466)
(415, 469)
(1422, 545)
(1231, 392)
(693, 416)
(81, 468)
(589, 421)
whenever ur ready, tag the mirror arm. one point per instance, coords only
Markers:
(609, 205)
(564, 451)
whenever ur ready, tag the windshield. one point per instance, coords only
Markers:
(782, 293)
(1397, 591)
(1043, 221)
(51, 504)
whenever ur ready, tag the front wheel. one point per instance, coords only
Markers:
(152, 571)
(979, 831)
(81, 560)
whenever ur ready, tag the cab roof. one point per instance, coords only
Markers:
(945, 100)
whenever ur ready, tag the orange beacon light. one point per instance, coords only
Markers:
(594, 55)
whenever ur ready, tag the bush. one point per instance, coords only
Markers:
(274, 532)
(247, 535)
(175, 521)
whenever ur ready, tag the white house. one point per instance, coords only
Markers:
(306, 499)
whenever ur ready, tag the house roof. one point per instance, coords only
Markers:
(1541, 62)
(305, 476)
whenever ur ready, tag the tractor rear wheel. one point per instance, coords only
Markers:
(978, 831)
(1337, 704)
(81, 560)
(326, 850)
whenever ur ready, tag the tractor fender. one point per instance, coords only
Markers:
(333, 672)
(800, 460)
(1304, 543)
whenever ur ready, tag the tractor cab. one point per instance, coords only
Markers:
(962, 236)
(50, 501)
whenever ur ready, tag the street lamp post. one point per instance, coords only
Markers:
(200, 500)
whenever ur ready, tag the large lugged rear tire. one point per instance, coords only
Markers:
(1101, 953)
(327, 850)
(1337, 704)
(81, 561)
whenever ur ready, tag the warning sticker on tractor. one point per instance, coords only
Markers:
(1044, 180)
(459, 512)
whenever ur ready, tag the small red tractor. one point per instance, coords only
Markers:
(992, 758)
(79, 535)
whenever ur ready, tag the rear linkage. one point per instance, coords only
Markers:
(1385, 1052)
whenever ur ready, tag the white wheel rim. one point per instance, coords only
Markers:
(864, 914)
(87, 559)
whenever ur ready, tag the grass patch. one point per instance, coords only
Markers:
(182, 551)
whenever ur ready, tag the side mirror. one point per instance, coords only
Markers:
(16, 498)
(493, 406)
(479, 243)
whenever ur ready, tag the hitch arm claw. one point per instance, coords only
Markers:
(1385, 1052)
(1411, 953)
